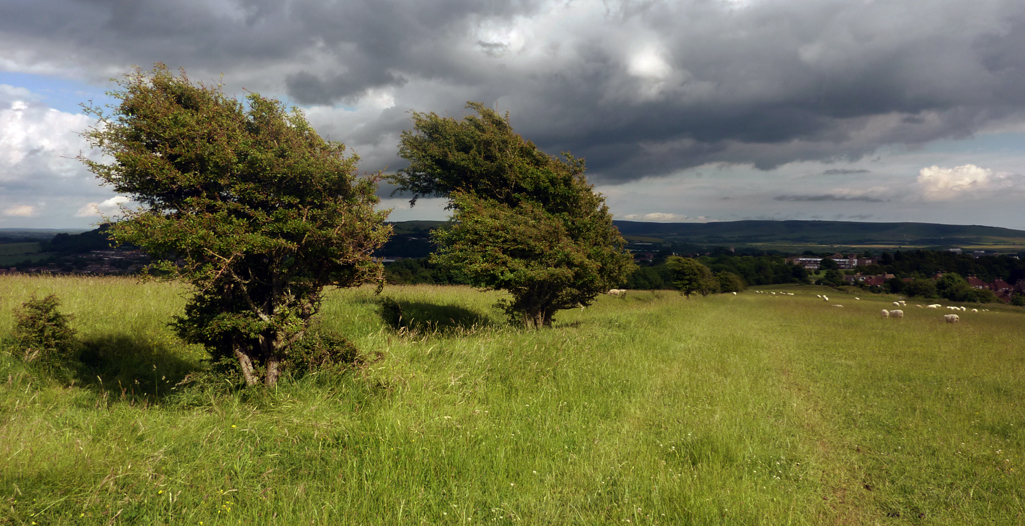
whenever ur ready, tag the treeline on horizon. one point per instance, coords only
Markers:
(754, 267)
(770, 269)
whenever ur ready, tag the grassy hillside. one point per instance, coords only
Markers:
(648, 409)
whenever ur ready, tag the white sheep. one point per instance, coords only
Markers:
(934, 306)
(896, 304)
(825, 298)
(975, 310)
(838, 305)
(734, 293)
(897, 314)
(886, 313)
(951, 318)
(857, 298)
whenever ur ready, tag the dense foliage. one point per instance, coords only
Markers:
(523, 221)
(246, 202)
(928, 263)
(43, 334)
(690, 276)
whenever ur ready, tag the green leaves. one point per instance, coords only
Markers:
(690, 276)
(523, 221)
(253, 208)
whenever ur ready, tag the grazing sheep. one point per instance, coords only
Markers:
(857, 298)
(825, 298)
(951, 318)
(617, 292)
(838, 305)
(896, 304)
(963, 309)
(917, 305)
(934, 306)
(734, 293)
(975, 310)
(886, 313)
(897, 314)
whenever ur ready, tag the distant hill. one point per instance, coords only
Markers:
(784, 234)
(411, 238)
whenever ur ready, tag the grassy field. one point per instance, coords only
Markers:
(13, 253)
(648, 409)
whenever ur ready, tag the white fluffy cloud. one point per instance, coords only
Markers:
(40, 175)
(667, 217)
(20, 211)
(106, 208)
(966, 182)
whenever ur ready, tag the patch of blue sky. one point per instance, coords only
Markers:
(60, 94)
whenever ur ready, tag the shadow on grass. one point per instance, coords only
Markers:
(123, 367)
(422, 317)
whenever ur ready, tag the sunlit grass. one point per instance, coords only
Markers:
(651, 408)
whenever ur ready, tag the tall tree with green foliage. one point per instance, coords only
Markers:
(523, 221)
(690, 276)
(245, 202)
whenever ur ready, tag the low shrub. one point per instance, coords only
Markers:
(43, 335)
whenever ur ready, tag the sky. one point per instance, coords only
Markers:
(686, 111)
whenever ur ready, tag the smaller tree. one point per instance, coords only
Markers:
(896, 285)
(730, 282)
(799, 273)
(690, 276)
(523, 221)
(831, 278)
(1018, 299)
(828, 264)
(922, 288)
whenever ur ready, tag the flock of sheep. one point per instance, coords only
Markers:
(895, 313)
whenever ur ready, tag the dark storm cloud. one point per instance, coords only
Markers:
(844, 171)
(307, 88)
(827, 197)
(639, 88)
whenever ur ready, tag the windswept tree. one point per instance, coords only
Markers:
(523, 221)
(245, 202)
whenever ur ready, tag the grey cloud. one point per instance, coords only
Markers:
(827, 197)
(845, 171)
(766, 85)
(307, 88)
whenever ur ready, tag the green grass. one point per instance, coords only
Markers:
(652, 409)
(13, 253)
(14, 249)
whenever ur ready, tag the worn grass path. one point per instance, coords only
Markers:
(650, 409)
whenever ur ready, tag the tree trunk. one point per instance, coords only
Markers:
(246, 364)
(273, 370)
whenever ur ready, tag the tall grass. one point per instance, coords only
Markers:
(651, 409)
